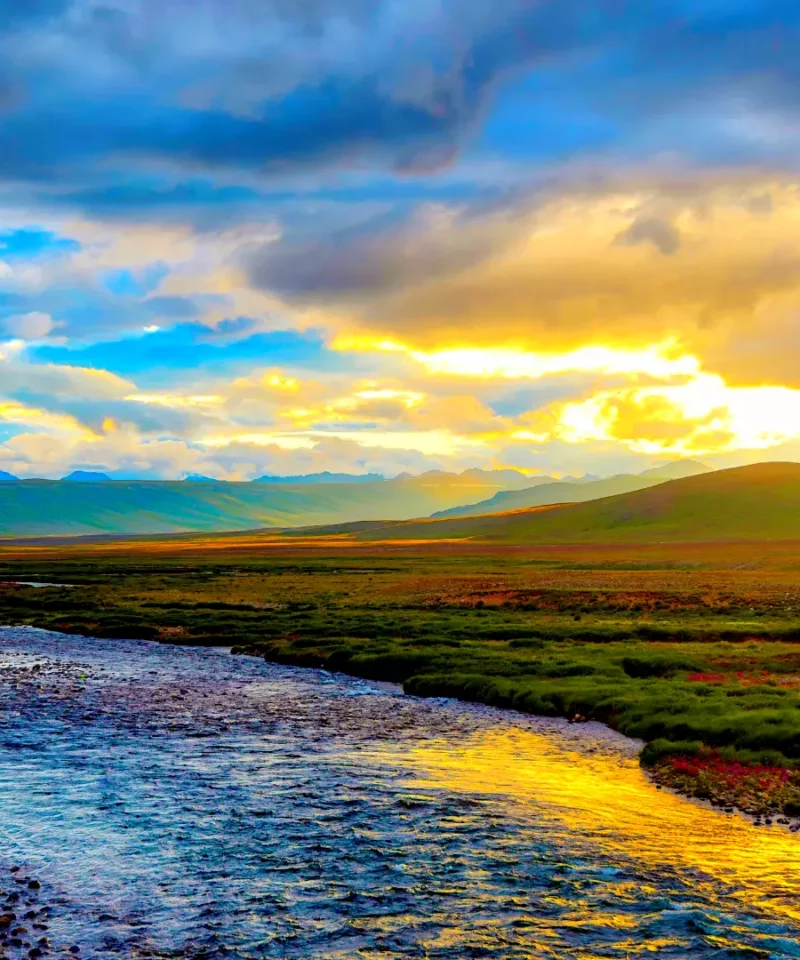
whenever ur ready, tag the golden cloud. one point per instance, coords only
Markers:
(704, 416)
(702, 265)
(58, 423)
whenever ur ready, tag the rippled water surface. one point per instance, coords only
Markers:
(177, 802)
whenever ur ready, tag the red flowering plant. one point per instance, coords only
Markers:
(756, 788)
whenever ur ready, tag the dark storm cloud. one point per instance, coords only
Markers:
(104, 108)
(327, 123)
(385, 253)
(654, 230)
(109, 103)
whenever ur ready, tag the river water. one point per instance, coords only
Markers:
(176, 802)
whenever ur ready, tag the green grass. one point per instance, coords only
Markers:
(692, 647)
(624, 656)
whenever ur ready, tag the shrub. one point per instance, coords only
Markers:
(642, 667)
(661, 749)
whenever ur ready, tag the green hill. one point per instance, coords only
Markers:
(59, 508)
(758, 502)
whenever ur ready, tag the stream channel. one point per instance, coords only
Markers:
(160, 801)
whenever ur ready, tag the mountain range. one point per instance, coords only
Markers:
(72, 507)
(325, 477)
(504, 478)
(90, 503)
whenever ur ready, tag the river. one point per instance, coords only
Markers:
(185, 803)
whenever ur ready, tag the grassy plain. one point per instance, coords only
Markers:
(694, 647)
(690, 644)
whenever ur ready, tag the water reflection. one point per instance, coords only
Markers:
(605, 807)
(186, 803)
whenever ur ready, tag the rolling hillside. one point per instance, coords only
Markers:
(59, 508)
(758, 502)
(548, 491)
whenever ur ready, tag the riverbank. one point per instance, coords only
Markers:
(767, 794)
(764, 785)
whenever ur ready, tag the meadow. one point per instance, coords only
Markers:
(692, 648)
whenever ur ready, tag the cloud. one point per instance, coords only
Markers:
(54, 424)
(337, 454)
(270, 232)
(554, 278)
(248, 86)
(375, 259)
(127, 453)
(100, 281)
(58, 380)
(275, 86)
(663, 236)
(30, 326)
(703, 416)
(122, 453)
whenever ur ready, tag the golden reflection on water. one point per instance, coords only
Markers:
(604, 804)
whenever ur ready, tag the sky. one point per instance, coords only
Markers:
(282, 236)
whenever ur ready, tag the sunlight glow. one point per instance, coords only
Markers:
(696, 413)
(703, 416)
(661, 360)
(512, 365)
(177, 401)
(407, 398)
(278, 382)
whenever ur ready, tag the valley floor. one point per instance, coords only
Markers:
(693, 648)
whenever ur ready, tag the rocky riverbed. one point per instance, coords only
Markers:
(172, 802)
